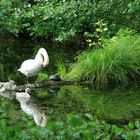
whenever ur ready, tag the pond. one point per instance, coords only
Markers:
(49, 104)
(115, 105)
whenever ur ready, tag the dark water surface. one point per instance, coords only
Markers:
(49, 104)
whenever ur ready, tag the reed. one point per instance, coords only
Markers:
(118, 60)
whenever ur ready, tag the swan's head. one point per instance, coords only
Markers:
(44, 65)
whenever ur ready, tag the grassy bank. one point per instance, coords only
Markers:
(117, 61)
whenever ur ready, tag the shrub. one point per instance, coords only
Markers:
(119, 60)
(10, 17)
(67, 20)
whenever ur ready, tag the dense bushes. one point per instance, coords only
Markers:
(85, 23)
(9, 19)
(118, 60)
(67, 20)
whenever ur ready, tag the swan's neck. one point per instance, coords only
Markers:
(42, 57)
(39, 58)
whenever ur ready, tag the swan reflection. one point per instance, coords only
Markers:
(29, 106)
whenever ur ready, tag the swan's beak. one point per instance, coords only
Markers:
(44, 65)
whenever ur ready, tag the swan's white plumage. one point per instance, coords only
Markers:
(32, 67)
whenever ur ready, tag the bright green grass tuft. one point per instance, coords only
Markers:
(42, 76)
(61, 68)
(119, 60)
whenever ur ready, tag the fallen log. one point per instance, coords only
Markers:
(46, 83)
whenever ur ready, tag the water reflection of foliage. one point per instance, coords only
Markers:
(108, 104)
(59, 104)
(113, 104)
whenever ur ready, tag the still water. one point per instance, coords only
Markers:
(41, 106)
(49, 104)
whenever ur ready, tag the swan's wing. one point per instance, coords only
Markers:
(28, 64)
(30, 67)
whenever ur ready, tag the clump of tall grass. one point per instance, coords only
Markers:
(118, 60)
(61, 68)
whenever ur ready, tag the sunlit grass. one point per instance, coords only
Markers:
(42, 76)
(61, 68)
(119, 60)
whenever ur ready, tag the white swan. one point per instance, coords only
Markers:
(32, 67)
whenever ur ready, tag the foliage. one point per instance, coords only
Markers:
(42, 76)
(61, 68)
(94, 40)
(84, 127)
(68, 20)
(119, 60)
(10, 17)
(7, 59)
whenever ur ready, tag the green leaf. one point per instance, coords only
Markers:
(131, 125)
(89, 116)
(137, 124)
(116, 130)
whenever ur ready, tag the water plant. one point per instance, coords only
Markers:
(118, 60)
(85, 127)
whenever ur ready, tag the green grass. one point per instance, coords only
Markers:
(118, 60)
(60, 66)
(42, 76)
